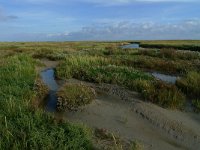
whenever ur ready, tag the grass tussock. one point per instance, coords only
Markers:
(163, 94)
(72, 96)
(190, 84)
(25, 128)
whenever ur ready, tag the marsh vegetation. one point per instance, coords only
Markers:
(72, 96)
(25, 125)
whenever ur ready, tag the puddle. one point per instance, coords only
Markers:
(134, 45)
(48, 77)
(166, 78)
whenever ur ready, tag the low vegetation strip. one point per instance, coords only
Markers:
(170, 54)
(159, 64)
(182, 45)
(99, 70)
(24, 128)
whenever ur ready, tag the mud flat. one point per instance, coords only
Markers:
(123, 113)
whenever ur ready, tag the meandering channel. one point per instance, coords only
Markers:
(48, 78)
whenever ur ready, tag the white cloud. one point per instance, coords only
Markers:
(125, 30)
(188, 29)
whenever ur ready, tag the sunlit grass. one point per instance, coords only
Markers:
(25, 128)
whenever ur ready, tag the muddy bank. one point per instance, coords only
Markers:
(123, 112)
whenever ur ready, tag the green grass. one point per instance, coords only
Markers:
(74, 65)
(190, 84)
(165, 65)
(25, 128)
(72, 96)
(100, 70)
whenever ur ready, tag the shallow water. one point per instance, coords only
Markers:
(134, 45)
(166, 78)
(48, 77)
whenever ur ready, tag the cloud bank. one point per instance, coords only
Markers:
(188, 29)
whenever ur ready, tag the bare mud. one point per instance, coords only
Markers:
(123, 112)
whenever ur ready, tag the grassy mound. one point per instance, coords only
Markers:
(72, 96)
(21, 126)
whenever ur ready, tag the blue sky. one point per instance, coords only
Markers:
(60, 20)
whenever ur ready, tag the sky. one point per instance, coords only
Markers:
(75, 20)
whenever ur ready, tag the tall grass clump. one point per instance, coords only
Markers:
(190, 84)
(21, 126)
(75, 65)
(163, 94)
